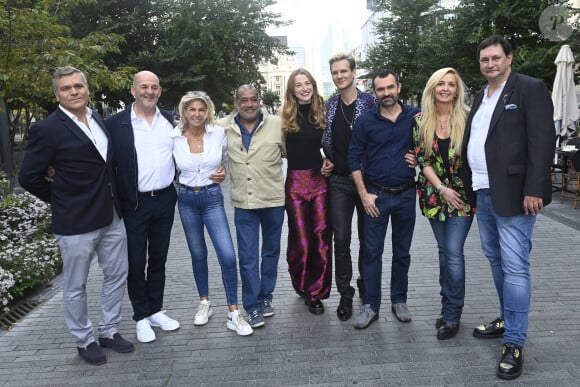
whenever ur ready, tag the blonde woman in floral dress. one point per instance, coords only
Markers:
(445, 195)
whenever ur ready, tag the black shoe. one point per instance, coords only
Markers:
(439, 321)
(447, 330)
(93, 354)
(511, 363)
(315, 307)
(344, 310)
(361, 287)
(493, 330)
(118, 343)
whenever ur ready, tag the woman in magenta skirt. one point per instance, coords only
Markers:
(309, 253)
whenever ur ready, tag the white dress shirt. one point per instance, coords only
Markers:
(94, 131)
(479, 130)
(154, 149)
(196, 168)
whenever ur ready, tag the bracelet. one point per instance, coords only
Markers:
(440, 187)
(443, 190)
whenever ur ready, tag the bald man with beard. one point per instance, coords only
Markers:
(145, 172)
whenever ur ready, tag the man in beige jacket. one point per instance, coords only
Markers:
(255, 150)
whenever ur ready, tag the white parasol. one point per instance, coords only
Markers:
(564, 93)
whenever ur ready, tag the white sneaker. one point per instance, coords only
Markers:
(161, 320)
(204, 312)
(238, 324)
(144, 332)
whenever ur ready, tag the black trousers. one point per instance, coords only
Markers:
(148, 235)
(344, 199)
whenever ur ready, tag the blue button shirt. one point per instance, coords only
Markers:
(382, 145)
(247, 136)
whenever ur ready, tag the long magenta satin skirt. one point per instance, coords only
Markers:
(309, 253)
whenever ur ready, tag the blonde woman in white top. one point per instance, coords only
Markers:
(200, 152)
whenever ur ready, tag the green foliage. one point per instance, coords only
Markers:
(29, 256)
(215, 46)
(271, 100)
(33, 45)
(416, 38)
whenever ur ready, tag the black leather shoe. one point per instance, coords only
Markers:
(447, 330)
(315, 307)
(344, 310)
(361, 287)
(492, 330)
(439, 321)
(511, 363)
(93, 354)
(118, 343)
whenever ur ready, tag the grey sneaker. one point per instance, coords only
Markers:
(267, 308)
(365, 317)
(401, 312)
(255, 319)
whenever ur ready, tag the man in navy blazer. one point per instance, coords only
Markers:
(509, 143)
(86, 217)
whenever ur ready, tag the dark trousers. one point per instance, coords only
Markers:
(148, 234)
(344, 199)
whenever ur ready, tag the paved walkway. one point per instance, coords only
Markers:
(298, 348)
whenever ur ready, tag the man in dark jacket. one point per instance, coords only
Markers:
(85, 209)
(145, 172)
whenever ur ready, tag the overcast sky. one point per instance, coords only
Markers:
(312, 18)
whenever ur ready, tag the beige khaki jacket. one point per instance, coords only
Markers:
(257, 179)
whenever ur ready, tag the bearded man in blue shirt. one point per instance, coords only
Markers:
(382, 143)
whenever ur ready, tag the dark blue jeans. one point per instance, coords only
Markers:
(450, 236)
(258, 280)
(401, 210)
(148, 235)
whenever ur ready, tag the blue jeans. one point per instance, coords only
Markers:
(507, 242)
(401, 209)
(258, 281)
(450, 236)
(206, 208)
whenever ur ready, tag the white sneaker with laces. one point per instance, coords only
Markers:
(204, 312)
(238, 324)
(144, 332)
(161, 320)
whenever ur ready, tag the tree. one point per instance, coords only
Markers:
(215, 46)
(210, 45)
(405, 37)
(517, 20)
(271, 100)
(33, 45)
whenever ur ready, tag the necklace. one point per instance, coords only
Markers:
(195, 140)
(351, 122)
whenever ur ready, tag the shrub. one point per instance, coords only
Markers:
(29, 255)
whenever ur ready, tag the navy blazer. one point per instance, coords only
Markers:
(520, 144)
(83, 193)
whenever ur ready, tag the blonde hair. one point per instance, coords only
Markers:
(290, 108)
(187, 99)
(429, 119)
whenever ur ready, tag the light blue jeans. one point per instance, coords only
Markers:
(205, 208)
(507, 242)
(450, 236)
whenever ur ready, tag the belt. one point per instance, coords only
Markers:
(198, 188)
(155, 192)
(393, 190)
